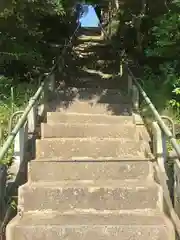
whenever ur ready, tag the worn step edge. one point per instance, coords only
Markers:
(85, 107)
(83, 147)
(94, 92)
(65, 105)
(65, 195)
(94, 115)
(58, 170)
(94, 212)
(74, 218)
(92, 159)
(97, 139)
(88, 89)
(48, 220)
(54, 117)
(138, 184)
(62, 130)
(98, 95)
(96, 185)
(94, 99)
(130, 125)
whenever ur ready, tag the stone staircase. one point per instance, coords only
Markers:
(93, 174)
(92, 177)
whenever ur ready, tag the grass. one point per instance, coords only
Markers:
(14, 96)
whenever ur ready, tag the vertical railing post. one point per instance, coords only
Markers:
(168, 165)
(3, 176)
(164, 146)
(43, 101)
(52, 82)
(1, 135)
(32, 118)
(20, 145)
(176, 187)
(157, 145)
(121, 68)
(129, 85)
(135, 98)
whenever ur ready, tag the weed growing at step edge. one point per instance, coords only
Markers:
(22, 91)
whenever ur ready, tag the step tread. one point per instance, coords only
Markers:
(88, 118)
(103, 95)
(92, 170)
(81, 125)
(86, 107)
(95, 139)
(67, 103)
(104, 159)
(87, 104)
(88, 89)
(60, 130)
(90, 115)
(51, 218)
(68, 148)
(92, 159)
(84, 195)
(131, 184)
(94, 91)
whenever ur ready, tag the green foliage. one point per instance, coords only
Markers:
(150, 35)
(28, 32)
(166, 46)
(25, 30)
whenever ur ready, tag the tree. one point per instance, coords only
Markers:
(26, 30)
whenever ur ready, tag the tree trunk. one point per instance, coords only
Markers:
(137, 25)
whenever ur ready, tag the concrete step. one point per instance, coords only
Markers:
(91, 108)
(86, 195)
(91, 94)
(57, 117)
(90, 39)
(80, 130)
(94, 148)
(58, 171)
(53, 226)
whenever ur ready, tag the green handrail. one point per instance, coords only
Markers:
(158, 118)
(21, 121)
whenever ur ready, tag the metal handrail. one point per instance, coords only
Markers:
(158, 118)
(21, 121)
(33, 101)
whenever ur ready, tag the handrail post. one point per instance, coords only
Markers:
(52, 83)
(3, 176)
(129, 85)
(164, 146)
(176, 186)
(32, 118)
(157, 145)
(43, 101)
(135, 98)
(1, 135)
(20, 145)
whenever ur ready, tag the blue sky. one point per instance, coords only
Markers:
(89, 17)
